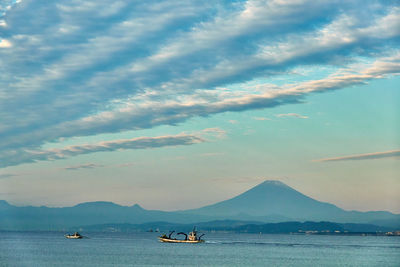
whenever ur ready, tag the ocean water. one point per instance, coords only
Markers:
(143, 249)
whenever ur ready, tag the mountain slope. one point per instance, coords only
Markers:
(272, 198)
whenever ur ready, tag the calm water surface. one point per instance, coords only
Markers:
(143, 249)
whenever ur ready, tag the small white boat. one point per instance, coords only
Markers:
(76, 235)
(193, 238)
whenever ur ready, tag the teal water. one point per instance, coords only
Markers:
(143, 249)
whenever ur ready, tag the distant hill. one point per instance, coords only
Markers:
(270, 201)
(44, 218)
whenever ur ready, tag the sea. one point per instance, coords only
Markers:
(220, 249)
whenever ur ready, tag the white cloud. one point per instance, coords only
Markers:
(261, 119)
(292, 115)
(213, 132)
(5, 43)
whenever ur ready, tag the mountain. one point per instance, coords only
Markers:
(270, 201)
(276, 199)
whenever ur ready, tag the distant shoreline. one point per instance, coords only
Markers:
(233, 226)
(221, 232)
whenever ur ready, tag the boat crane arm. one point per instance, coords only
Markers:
(169, 236)
(182, 233)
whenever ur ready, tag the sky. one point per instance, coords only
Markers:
(180, 104)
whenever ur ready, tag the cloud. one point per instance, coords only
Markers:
(128, 164)
(150, 114)
(29, 156)
(5, 43)
(213, 132)
(375, 155)
(291, 115)
(83, 166)
(82, 68)
(261, 119)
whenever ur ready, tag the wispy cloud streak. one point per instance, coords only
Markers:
(292, 115)
(375, 155)
(261, 119)
(29, 156)
(83, 166)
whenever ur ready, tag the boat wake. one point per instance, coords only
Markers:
(279, 244)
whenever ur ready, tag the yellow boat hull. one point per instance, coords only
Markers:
(167, 240)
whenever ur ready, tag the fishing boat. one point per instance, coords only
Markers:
(191, 238)
(75, 235)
